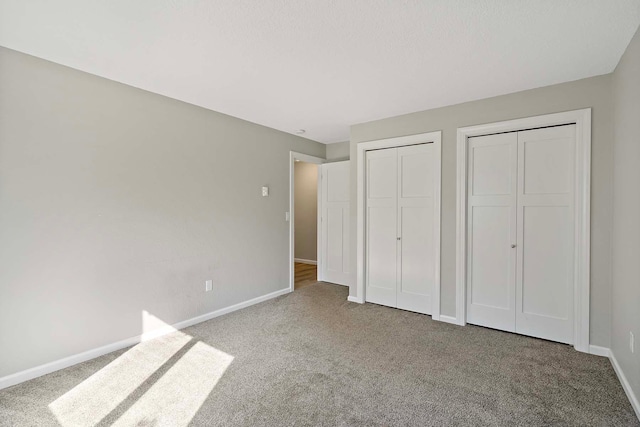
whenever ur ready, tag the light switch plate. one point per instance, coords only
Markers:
(265, 191)
(208, 285)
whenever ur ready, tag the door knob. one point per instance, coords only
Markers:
(513, 246)
(398, 238)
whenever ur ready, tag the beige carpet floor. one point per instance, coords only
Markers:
(312, 358)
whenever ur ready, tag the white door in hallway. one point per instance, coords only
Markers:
(335, 222)
(401, 227)
(520, 232)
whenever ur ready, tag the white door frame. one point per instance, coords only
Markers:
(431, 137)
(293, 156)
(582, 120)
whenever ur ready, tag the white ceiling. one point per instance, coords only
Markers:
(325, 65)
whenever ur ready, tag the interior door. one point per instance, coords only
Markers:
(381, 226)
(416, 227)
(491, 231)
(335, 223)
(545, 267)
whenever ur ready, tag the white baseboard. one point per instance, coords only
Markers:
(625, 384)
(306, 261)
(449, 319)
(355, 299)
(56, 365)
(230, 309)
(599, 351)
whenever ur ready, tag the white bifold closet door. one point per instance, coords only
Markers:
(335, 222)
(520, 229)
(400, 227)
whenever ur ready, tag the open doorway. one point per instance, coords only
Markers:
(318, 221)
(304, 219)
(305, 230)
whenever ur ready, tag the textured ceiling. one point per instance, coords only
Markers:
(325, 65)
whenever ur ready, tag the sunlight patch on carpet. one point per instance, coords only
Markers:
(164, 380)
(176, 398)
(93, 399)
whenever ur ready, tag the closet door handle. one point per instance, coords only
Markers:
(399, 238)
(513, 246)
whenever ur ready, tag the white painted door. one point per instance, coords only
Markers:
(416, 227)
(520, 232)
(491, 230)
(401, 227)
(545, 266)
(381, 189)
(334, 221)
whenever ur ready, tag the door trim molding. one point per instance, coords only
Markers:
(421, 138)
(582, 262)
(293, 156)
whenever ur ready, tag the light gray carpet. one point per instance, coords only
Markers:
(312, 358)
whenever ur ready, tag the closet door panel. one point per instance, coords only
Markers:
(416, 171)
(416, 222)
(546, 261)
(491, 269)
(547, 157)
(545, 265)
(491, 231)
(491, 165)
(381, 219)
(417, 272)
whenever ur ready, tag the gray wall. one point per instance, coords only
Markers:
(625, 304)
(114, 200)
(338, 151)
(306, 211)
(593, 92)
